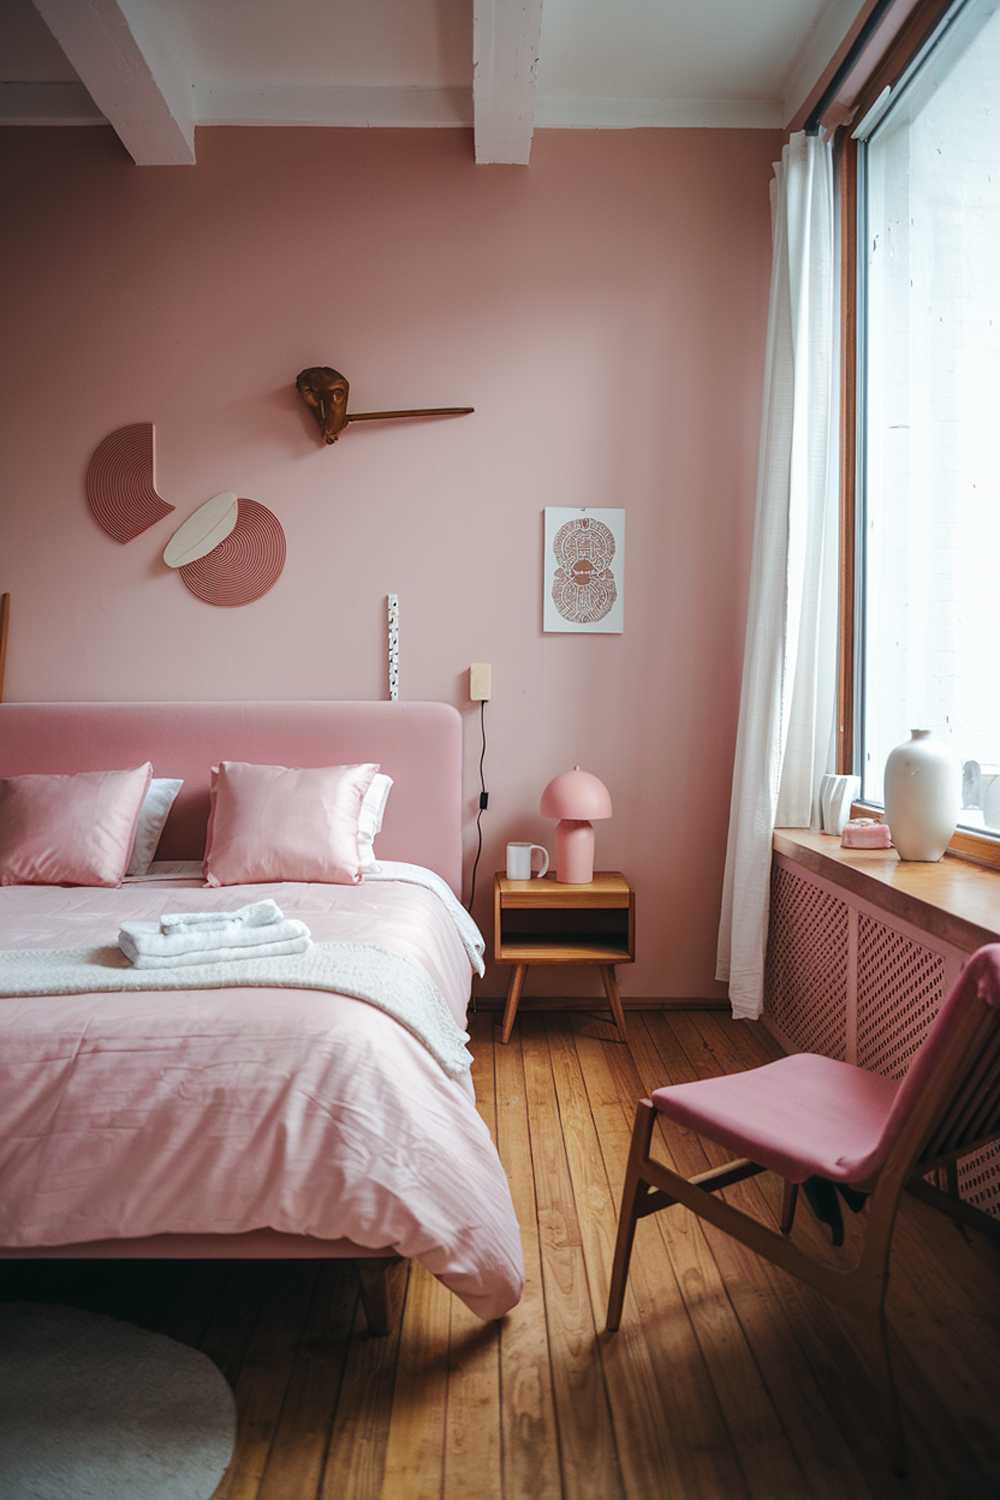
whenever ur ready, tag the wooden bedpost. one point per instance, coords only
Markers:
(373, 1276)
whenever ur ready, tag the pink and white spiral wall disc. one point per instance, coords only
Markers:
(245, 565)
(203, 530)
(121, 488)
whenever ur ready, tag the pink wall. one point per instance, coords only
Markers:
(604, 312)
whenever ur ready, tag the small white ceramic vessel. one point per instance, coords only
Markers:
(923, 795)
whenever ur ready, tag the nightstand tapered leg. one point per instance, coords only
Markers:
(513, 998)
(614, 995)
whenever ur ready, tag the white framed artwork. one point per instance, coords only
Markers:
(583, 578)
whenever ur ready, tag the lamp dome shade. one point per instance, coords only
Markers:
(576, 794)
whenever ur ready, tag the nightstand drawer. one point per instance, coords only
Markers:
(607, 890)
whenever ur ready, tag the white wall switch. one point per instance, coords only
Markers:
(480, 681)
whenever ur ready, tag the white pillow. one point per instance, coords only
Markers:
(370, 820)
(153, 815)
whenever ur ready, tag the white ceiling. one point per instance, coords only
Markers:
(29, 53)
(645, 49)
(416, 43)
(611, 63)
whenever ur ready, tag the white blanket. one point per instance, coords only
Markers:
(472, 938)
(364, 971)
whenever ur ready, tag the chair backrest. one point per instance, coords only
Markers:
(949, 1101)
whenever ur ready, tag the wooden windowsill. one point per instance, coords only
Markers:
(965, 843)
(954, 900)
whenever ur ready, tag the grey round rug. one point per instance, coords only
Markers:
(96, 1409)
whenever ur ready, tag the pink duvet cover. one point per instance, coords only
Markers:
(223, 1111)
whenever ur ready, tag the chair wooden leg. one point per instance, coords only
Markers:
(789, 1199)
(633, 1191)
(513, 999)
(614, 995)
(373, 1276)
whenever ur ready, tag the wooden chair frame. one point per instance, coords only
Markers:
(959, 1111)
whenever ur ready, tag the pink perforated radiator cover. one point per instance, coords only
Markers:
(845, 979)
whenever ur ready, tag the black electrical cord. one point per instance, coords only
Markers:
(484, 802)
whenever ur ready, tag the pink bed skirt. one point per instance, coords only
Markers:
(259, 1244)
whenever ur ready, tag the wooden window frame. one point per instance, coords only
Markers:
(908, 42)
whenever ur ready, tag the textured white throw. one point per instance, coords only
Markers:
(364, 971)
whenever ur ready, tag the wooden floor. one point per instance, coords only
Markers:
(727, 1378)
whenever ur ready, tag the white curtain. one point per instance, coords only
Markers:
(786, 735)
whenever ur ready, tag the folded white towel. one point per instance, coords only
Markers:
(256, 914)
(145, 940)
(209, 958)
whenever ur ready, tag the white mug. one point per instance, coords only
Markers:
(519, 861)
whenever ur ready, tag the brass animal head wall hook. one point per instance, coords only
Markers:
(325, 392)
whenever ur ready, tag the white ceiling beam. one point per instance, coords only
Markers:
(130, 70)
(505, 44)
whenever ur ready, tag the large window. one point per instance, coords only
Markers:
(929, 412)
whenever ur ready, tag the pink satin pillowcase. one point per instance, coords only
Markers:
(70, 830)
(275, 823)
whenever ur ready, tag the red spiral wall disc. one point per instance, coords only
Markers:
(244, 566)
(121, 488)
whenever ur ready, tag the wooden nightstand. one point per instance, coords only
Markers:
(545, 922)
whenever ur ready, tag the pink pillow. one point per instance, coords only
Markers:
(271, 823)
(70, 830)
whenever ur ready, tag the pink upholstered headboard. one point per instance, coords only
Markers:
(418, 744)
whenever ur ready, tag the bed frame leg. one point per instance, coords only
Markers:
(373, 1276)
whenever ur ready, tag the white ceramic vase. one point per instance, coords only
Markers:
(923, 795)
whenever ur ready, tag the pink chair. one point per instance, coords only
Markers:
(811, 1117)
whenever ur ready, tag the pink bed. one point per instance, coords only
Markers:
(250, 1121)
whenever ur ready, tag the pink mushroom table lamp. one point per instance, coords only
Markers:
(575, 798)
